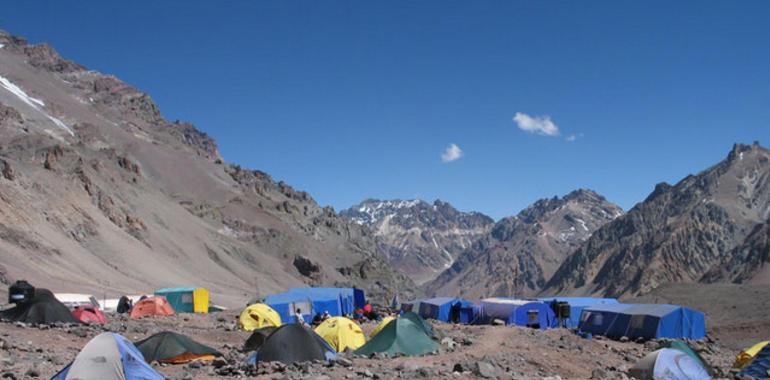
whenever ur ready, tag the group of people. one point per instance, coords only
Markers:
(359, 315)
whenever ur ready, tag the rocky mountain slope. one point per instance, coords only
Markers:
(418, 238)
(521, 252)
(99, 193)
(710, 226)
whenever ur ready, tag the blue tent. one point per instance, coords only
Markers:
(347, 297)
(576, 306)
(528, 313)
(760, 366)
(643, 321)
(109, 356)
(446, 309)
(337, 301)
(286, 304)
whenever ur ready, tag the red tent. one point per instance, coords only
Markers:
(89, 314)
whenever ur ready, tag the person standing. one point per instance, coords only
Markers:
(298, 317)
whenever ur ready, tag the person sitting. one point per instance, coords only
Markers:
(317, 319)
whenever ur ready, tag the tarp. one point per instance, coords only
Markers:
(151, 306)
(294, 343)
(445, 309)
(73, 300)
(44, 308)
(760, 366)
(576, 305)
(89, 314)
(646, 321)
(341, 333)
(257, 316)
(257, 337)
(746, 356)
(108, 356)
(526, 313)
(170, 347)
(186, 300)
(668, 363)
(405, 335)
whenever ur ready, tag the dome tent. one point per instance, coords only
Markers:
(257, 316)
(293, 343)
(669, 363)
(384, 322)
(406, 335)
(89, 314)
(257, 338)
(108, 356)
(43, 308)
(173, 348)
(156, 305)
(745, 357)
(759, 367)
(341, 333)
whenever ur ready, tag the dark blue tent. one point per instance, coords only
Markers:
(576, 306)
(760, 366)
(446, 309)
(528, 313)
(349, 298)
(643, 321)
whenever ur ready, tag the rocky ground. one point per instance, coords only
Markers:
(28, 352)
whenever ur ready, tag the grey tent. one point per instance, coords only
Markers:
(108, 356)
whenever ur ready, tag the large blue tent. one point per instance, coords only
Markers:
(643, 321)
(576, 306)
(446, 309)
(337, 301)
(413, 306)
(528, 313)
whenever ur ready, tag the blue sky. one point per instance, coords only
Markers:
(352, 100)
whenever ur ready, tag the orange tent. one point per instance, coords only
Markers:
(152, 306)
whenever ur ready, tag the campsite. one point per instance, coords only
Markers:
(442, 337)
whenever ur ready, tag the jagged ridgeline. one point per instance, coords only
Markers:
(709, 227)
(100, 193)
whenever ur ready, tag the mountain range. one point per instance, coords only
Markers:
(420, 239)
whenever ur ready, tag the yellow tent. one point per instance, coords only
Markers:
(745, 357)
(341, 333)
(257, 316)
(380, 326)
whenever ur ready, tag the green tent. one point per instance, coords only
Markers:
(170, 347)
(408, 334)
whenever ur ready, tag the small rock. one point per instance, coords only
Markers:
(32, 372)
(623, 339)
(600, 374)
(498, 322)
(485, 369)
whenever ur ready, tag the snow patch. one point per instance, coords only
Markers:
(2, 46)
(32, 102)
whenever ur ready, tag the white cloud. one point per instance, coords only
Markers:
(451, 153)
(541, 125)
(571, 138)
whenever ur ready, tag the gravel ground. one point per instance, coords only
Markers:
(466, 352)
